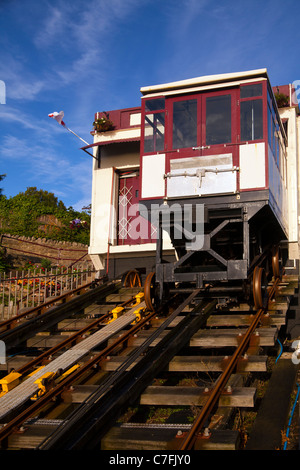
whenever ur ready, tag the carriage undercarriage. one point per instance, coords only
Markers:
(238, 248)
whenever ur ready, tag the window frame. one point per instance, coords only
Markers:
(263, 98)
(174, 102)
(201, 118)
(143, 119)
(169, 128)
(277, 144)
(233, 128)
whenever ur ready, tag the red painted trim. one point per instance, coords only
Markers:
(265, 132)
(252, 189)
(142, 153)
(120, 117)
(232, 147)
(108, 142)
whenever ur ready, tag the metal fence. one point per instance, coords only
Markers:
(32, 287)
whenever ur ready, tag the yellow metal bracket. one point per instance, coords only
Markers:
(139, 311)
(47, 379)
(139, 298)
(138, 314)
(9, 382)
(116, 313)
(68, 372)
(43, 383)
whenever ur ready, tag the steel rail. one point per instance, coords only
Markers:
(39, 309)
(69, 340)
(91, 419)
(23, 331)
(190, 438)
(59, 388)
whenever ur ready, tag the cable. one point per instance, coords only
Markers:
(281, 349)
(291, 417)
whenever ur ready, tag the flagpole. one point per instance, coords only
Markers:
(59, 118)
(75, 134)
(63, 124)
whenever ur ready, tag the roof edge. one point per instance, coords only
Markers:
(207, 79)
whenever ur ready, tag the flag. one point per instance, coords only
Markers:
(58, 117)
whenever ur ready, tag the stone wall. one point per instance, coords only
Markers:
(20, 250)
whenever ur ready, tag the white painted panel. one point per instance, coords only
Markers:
(153, 182)
(135, 119)
(197, 176)
(102, 213)
(252, 166)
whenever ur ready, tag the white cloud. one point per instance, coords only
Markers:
(80, 32)
(9, 114)
(57, 55)
(21, 84)
(66, 45)
(45, 165)
(52, 29)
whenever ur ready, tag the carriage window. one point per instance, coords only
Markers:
(249, 91)
(154, 133)
(218, 120)
(251, 120)
(155, 104)
(184, 124)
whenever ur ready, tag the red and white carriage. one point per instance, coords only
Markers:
(199, 184)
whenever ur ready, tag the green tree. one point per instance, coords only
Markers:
(2, 178)
(20, 215)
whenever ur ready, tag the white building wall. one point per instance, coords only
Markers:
(292, 180)
(101, 215)
(105, 182)
(298, 175)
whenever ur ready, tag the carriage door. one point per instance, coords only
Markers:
(202, 156)
(220, 136)
(133, 229)
(128, 195)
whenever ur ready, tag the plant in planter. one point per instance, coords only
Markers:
(103, 124)
(282, 100)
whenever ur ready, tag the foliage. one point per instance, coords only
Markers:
(282, 100)
(1, 178)
(103, 124)
(3, 261)
(19, 215)
(46, 263)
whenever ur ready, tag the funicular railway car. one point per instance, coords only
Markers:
(202, 189)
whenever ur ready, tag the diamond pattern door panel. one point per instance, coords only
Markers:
(132, 228)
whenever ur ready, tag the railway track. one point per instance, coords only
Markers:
(86, 384)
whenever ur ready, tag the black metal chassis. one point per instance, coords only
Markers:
(258, 226)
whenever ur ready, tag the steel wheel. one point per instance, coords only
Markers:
(260, 284)
(132, 279)
(149, 291)
(276, 263)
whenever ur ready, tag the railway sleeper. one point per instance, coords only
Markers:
(174, 396)
(197, 363)
(140, 437)
(127, 437)
(212, 338)
(275, 317)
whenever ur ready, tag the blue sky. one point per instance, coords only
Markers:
(82, 57)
